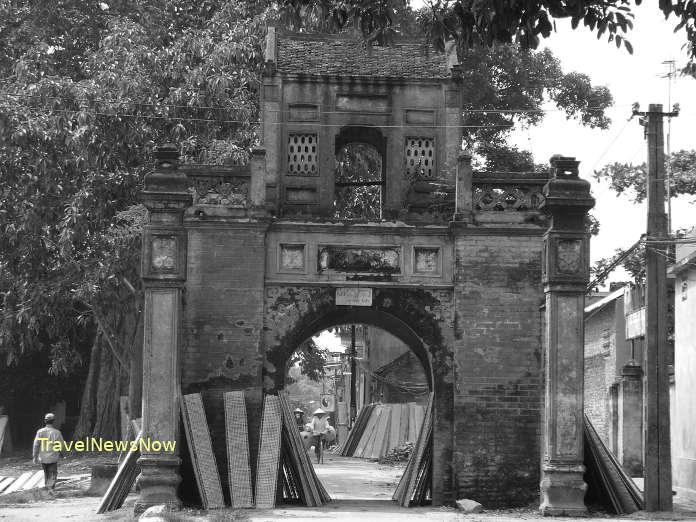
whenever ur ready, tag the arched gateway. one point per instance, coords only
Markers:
(242, 264)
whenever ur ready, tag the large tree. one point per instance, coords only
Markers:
(86, 93)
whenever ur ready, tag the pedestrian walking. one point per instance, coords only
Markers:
(319, 424)
(45, 451)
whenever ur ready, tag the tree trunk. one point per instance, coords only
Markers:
(99, 411)
(88, 404)
(135, 383)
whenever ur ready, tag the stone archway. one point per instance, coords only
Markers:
(416, 316)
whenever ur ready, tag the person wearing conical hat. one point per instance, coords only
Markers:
(299, 418)
(319, 424)
(47, 449)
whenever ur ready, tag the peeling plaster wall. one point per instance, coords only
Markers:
(499, 389)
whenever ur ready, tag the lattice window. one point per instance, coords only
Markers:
(302, 155)
(420, 157)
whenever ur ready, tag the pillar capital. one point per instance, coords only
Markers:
(567, 200)
(166, 193)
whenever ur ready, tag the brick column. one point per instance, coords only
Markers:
(463, 210)
(163, 272)
(565, 275)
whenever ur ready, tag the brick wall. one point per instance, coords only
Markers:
(499, 385)
(223, 309)
(600, 368)
(223, 314)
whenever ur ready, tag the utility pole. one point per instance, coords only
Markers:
(657, 465)
(353, 398)
(670, 75)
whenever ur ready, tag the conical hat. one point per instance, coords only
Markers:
(319, 412)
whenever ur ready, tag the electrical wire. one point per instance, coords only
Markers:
(604, 273)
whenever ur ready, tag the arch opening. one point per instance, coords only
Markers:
(372, 371)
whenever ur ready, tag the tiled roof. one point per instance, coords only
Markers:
(348, 56)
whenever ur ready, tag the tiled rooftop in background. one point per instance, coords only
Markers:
(346, 56)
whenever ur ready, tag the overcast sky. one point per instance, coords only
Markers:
(631, 78)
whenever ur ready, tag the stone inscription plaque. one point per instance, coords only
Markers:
(354, 296)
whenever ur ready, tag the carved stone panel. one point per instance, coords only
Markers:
(426, 260)
(164, 254)
(569, 256)
(292, 258)
(386, 260)
(225, 191)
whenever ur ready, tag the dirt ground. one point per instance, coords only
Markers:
(361, 490)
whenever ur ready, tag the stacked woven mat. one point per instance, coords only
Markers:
(608, 482)
(125, 477)
(283, 472)
(415, 486)
(380, 428)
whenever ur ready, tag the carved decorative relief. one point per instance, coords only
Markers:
(164, 254)
(356, 259)
(292, 258)
(225, 191)
(427, 260)
(569, 256)
(507, 197)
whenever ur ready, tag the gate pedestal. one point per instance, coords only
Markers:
(163, 273)
(565, 277)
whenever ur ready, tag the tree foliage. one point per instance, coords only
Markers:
(311, 359)
(626, 178)
(86, 91)
(484, 22)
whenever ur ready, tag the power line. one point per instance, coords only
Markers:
(607, 270)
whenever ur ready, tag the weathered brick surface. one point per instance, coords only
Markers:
(600, 368)
(498, 351)
(223, 314)
(223, 310)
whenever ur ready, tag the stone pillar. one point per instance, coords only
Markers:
(630, 436)
(565, 276)
(163, 272)
(464, 189)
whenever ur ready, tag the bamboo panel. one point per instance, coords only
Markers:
(403, 433)
(269, 453)
(394, 427)
(412, 426)
(201, 448)
(19, 483)
(368, 438)
(381, 432)
(123, 480)
(34, 481)
(237, 436)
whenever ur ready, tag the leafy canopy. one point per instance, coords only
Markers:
(473, 22)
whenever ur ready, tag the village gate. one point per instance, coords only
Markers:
(482, 275)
